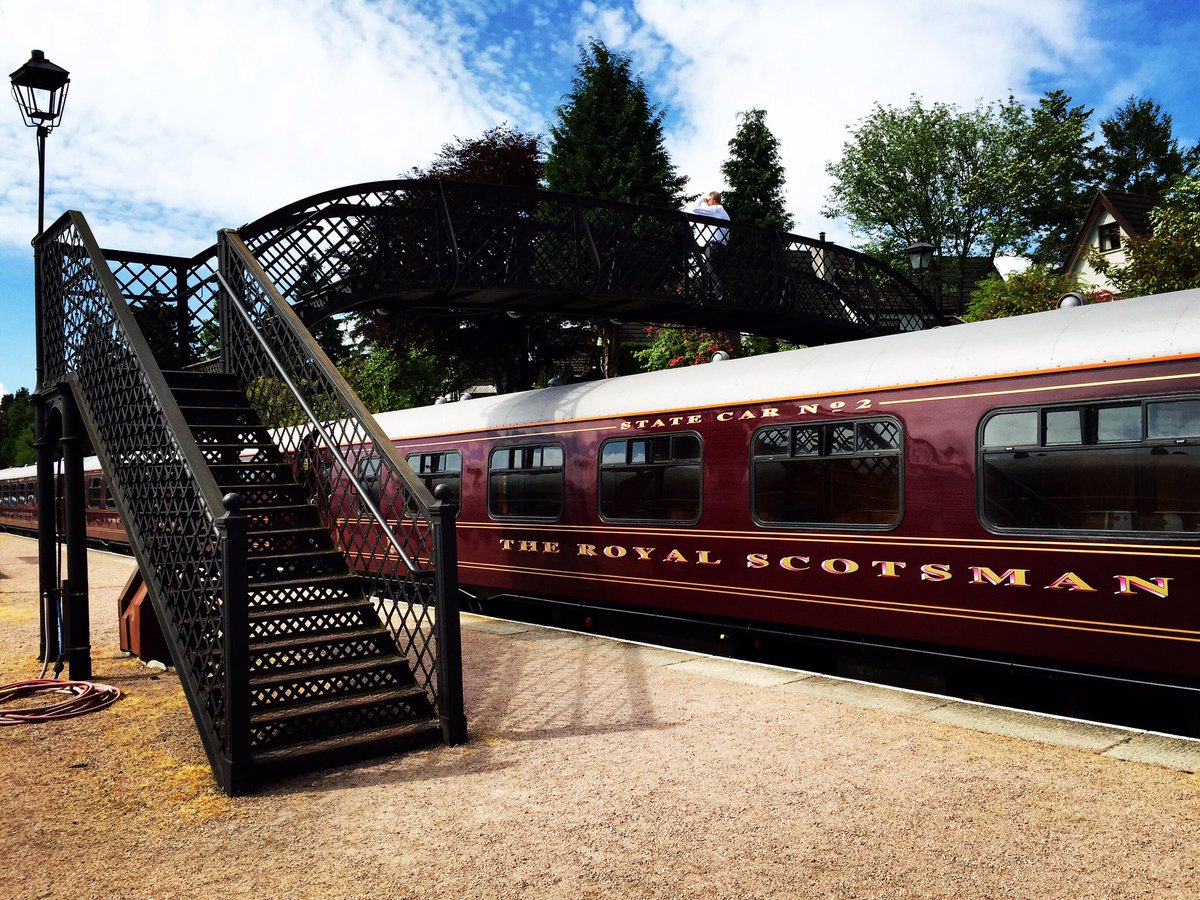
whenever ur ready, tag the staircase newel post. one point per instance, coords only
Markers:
(235, 604)
(451, 713)
(225, 314)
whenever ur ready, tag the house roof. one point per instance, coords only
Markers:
(1130, 211)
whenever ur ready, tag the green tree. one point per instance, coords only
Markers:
(1141, 154)
(973, 182)
(1169, 258)
(608, 142)
(1058, 146)
(1036, 289)
(16, 430)
(754, 174)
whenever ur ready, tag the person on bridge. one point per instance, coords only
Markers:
(712, 240)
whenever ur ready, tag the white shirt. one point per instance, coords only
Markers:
(704, 235)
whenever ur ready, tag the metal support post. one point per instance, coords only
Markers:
(235, 613)
(47, 531)
(75, 599)
(451, 714)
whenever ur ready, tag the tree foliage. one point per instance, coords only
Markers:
(608, 142)
(1036, 289)
(754, 174)
(16, 430)
(1140, 154)
(1169, 258)
(999, 177)
(1059, 139)
(501, 155)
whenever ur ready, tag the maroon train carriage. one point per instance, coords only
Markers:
(1024, 490)
(18, 504)
(1023, 493)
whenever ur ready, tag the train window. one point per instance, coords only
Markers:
(829, 473)
(1012, 429)
(1173, 419)
(94, 490)
(1115, 424)
(1064, 426)
(109, 500)
(526, 481)
(651, 479)
(367, 472)
(439, 468)
(1132, 466)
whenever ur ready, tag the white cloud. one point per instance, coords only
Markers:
(818, 67)
(183, 118)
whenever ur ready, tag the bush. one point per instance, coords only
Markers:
(1034, 290)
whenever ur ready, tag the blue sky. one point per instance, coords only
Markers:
(186, 118)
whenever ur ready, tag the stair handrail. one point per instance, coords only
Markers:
(69, 281)
(329, 443)
(408, 560)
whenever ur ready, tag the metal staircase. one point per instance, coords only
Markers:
(326, 681)
(223, 479)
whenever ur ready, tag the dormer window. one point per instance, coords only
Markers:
(1110, 237)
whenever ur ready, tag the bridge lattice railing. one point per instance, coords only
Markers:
(453, 245)
(189, 546)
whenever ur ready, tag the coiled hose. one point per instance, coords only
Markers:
(83, 697)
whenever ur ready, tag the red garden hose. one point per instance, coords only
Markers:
(83, 697)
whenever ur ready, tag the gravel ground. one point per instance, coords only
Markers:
(590, 773)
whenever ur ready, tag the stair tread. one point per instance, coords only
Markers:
(270, 715)
(427, 725)
(258, 587)
(309, 638)
(326, 670)
(292, 610)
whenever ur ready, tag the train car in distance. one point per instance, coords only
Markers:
(18, 505)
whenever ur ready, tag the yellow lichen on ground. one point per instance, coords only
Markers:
(191, 787)
(14, 614)
(163, 780)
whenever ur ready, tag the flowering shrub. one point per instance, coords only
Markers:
(672, 348)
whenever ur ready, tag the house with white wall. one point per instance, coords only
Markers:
(1113, 219)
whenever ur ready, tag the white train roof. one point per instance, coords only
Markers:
(90, 463)
(1164, 325)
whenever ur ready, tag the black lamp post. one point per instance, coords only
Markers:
(920, 255)
(40, 89)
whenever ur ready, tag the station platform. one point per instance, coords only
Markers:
(1113, 741)
(596, 768)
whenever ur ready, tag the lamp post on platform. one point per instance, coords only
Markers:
(40, 89)
(920, 257)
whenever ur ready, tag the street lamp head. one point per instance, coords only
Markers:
(40, 89)
(920, 255)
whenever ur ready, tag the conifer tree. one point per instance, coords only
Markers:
(1141, 154)
(754, 174)
(608, 142)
